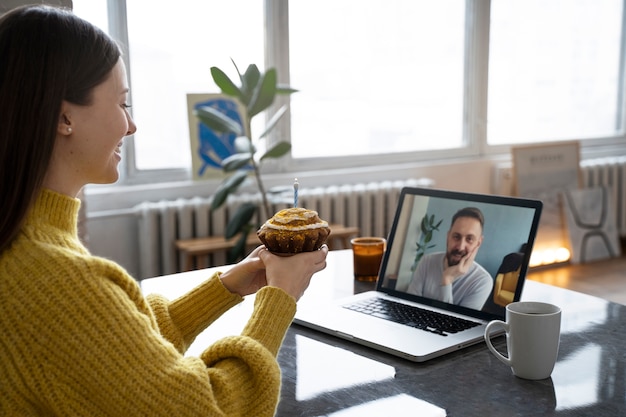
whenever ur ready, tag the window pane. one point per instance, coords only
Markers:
(94, 11)
(171, 52)
(553, 70)
(375, 76)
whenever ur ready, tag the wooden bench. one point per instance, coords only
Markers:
(192, 250)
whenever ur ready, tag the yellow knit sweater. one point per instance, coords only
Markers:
(77, 338)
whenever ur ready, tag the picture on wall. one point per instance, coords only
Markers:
(542, 172)
(209, 147)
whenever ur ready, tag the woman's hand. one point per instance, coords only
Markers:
(260, 268)
(293, 273)
(247, 276)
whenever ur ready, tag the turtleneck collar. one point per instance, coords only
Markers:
(56, 209)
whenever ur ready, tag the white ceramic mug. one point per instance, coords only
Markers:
(532, 337)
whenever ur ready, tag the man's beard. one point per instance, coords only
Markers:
(454, 261)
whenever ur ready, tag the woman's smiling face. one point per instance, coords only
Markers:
(89, 139)
(101, 126)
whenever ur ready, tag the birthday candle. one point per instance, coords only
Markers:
(295, 193)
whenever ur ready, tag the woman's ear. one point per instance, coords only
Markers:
(65, 123)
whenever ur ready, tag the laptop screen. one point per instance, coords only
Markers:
(465, 252)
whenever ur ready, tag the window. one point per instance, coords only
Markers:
(380, 76)
(554, 70)
(380, 81)
(94, 11)
(171, 52)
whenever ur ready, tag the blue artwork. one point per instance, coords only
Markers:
(214, 147)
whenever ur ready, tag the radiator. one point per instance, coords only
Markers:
(609, 172)
(370, 207)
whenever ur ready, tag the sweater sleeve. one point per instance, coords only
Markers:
(184, 318)
(181, 320)
(272, 315)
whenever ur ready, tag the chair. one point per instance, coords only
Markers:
(506, 278)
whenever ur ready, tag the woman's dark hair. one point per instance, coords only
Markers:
(47, 55)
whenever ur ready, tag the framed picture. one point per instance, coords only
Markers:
(542, 172)
(209, 147)
(591, 224)
(543, 167)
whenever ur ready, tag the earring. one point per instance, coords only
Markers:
(69, 130)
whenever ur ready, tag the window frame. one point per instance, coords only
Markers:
(477, 18)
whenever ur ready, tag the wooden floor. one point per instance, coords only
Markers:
(605, 279)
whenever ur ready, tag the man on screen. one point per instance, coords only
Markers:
(453, 276)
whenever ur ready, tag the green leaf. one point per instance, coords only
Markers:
(278, 150)
(219, 198)
(242, 217)
(236, 161)
(216, 120)
(264, 93)
(236, 69)
(418, 257)
(238, 251)
(229, 185)
(249, 83)
(285, 89)
(225, 84)
(424, 225)
(272, 122)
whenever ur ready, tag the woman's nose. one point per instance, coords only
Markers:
(132, 127)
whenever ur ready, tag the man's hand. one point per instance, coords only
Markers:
(452, 273)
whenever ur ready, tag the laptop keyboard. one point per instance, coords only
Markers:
(419, 318)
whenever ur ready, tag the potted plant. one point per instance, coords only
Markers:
(256, 92)
(427, 229)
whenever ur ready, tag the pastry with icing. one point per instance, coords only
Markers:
(294, 230)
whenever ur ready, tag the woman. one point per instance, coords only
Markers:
(78, 337)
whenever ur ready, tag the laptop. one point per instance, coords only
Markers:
(410, 313)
